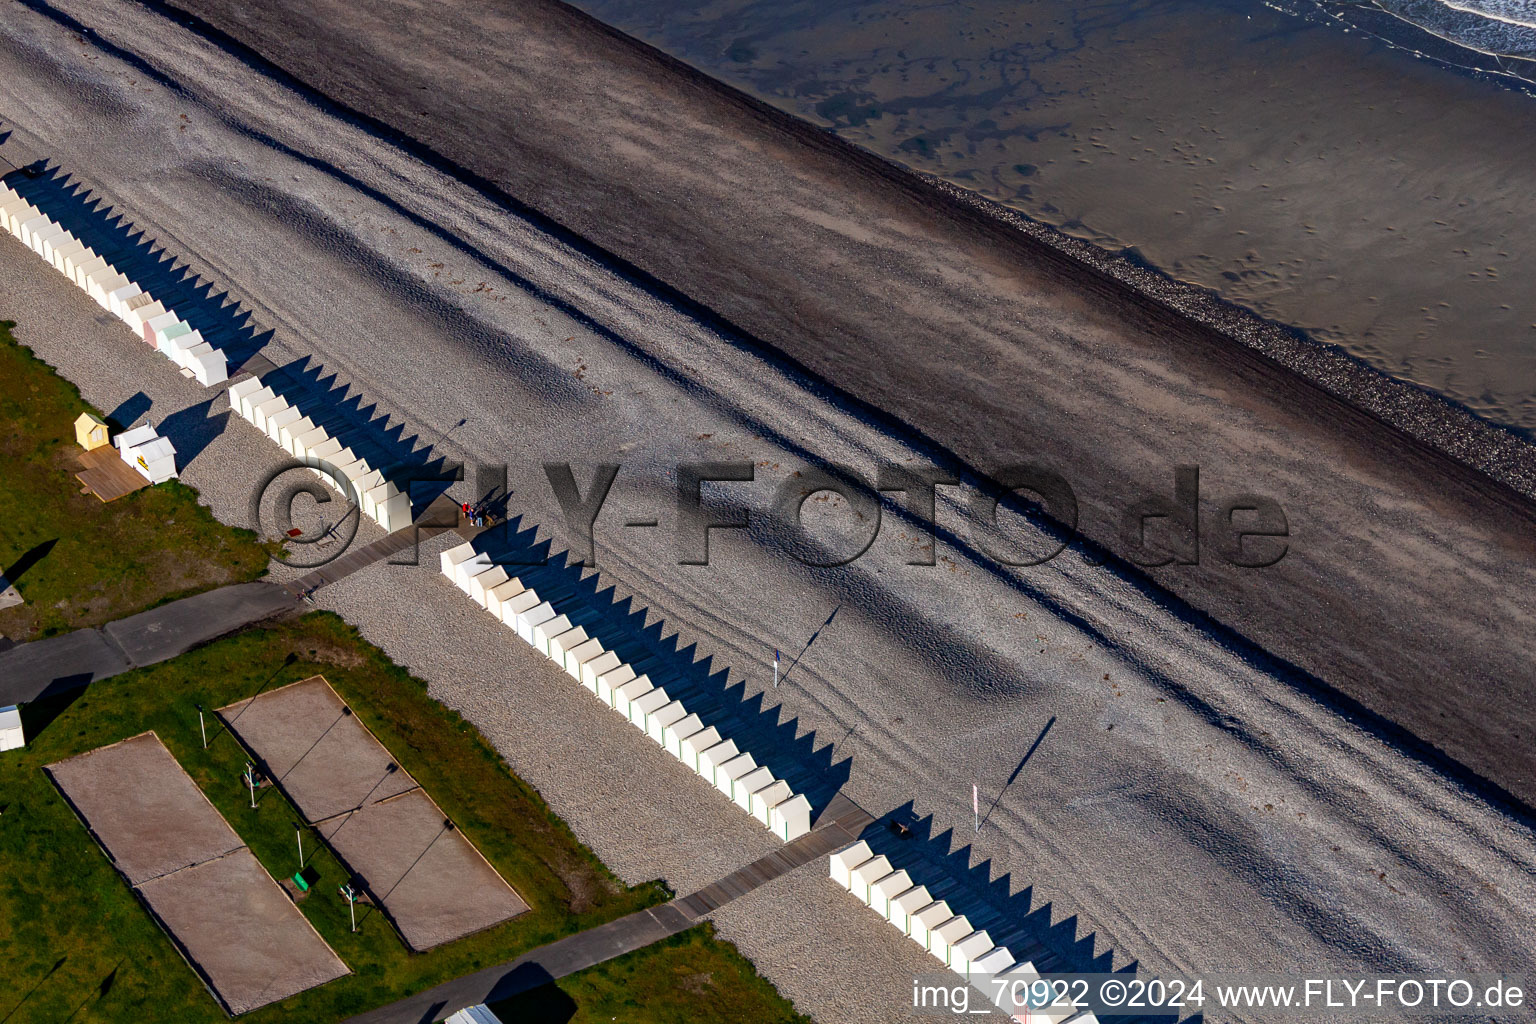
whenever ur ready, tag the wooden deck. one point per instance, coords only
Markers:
(838, 826)
(104, 474)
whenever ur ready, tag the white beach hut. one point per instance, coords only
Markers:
(102, 283)
(921, 925)
(84, 271)
(239, 394)
(727, 774)
(62, 254)
(974, 946)
(673, 734)
(517, 605)
(749, 785)
(119, 296)
(942, 939)
(842, 862)
(540, 633)
(53, 242)
(136, 436)
(12, 735)
(139, 317)
(391, 507)
(596, 668)
(647, 704)
(905, 905)
(625, 695)
(885, 890)
(790, 819)
(480, 1014)
(867, 874)
(481, 584)
(326, 453)
(30, 227)
(710, 760)
(76, 261)
(497, 597)
(155, 459)
(559, 644)
(534, 616)
(769, 797)
(464, 572)
(451, 558)
(993, 962)
(1020, 988)
(302, 443)
(611, 679)
(208, 365)
(656, 721)
(577, 658)
(692, 746)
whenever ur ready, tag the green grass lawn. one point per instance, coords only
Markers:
(106, 560)
(75, 941)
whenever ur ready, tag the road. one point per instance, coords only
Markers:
(1189, 781)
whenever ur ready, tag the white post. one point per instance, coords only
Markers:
(201, 727)
(976, 805)
(250, 780)
(775, 668)
(299, 835)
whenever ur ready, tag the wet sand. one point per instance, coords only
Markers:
(1330, 181)
(1406, 596)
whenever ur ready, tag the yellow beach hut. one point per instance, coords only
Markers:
(90, 431)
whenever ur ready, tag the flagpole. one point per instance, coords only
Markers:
(976, 805)
(775, 668)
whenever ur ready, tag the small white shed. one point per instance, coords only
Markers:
(656, 722)
(884, 891)
(11, 735)
(904, 906)
(154, 459)
(610, 679)
(474, 1015)
(867, 874)
(481, 584)
(527, 619)
(693, 745)
(922, 923)
(517, 605)
(790, 819)
(540, 633)
(845, 860)
(596, 668)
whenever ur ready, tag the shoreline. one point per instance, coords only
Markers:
(947, 322)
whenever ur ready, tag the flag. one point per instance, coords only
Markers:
(775, 655)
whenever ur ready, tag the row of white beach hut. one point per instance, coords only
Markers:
(645, 705)
(326, 447)
(947, 936)
(148, 318)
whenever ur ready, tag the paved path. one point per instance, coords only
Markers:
(46, 667)
(840, 824)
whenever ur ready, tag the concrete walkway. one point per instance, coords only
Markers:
(47, 667)
(839, 825)
(44, 668)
